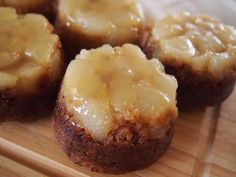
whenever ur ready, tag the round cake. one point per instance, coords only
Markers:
(89, 24)
(201, 52)
(31, 65)
(116, 110)
(45, 7)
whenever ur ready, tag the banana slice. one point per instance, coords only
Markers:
(26, 42)
(123, 81)
(8, 59)
(185, 38)
(7, 81)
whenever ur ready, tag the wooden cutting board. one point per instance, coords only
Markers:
(204, 143)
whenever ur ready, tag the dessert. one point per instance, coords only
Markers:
(89, 24)
(31, 65)
(116, 110)
(201, 52)
(45, 7)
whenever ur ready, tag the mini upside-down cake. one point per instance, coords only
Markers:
(201, 52)
(45, 7)
(89, 24)
(31, 65)
(116, 110)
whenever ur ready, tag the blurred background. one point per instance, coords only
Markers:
(225, 10)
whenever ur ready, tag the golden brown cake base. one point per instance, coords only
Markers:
(146, 44)
(74, 41)
(144, 41)
(27, 107)
(199, 90)
(113, 155)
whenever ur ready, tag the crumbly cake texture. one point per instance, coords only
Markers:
(119, 116)
(201, 52)
(118, 154)
(196, 91)
(28, 107)
(31, 65)
(90, 24)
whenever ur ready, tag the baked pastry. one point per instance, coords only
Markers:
(31, 65)
(116, 110)
(45, 7)
(201, 52)
(89, 24)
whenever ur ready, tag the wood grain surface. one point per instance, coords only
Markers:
(204, 143)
